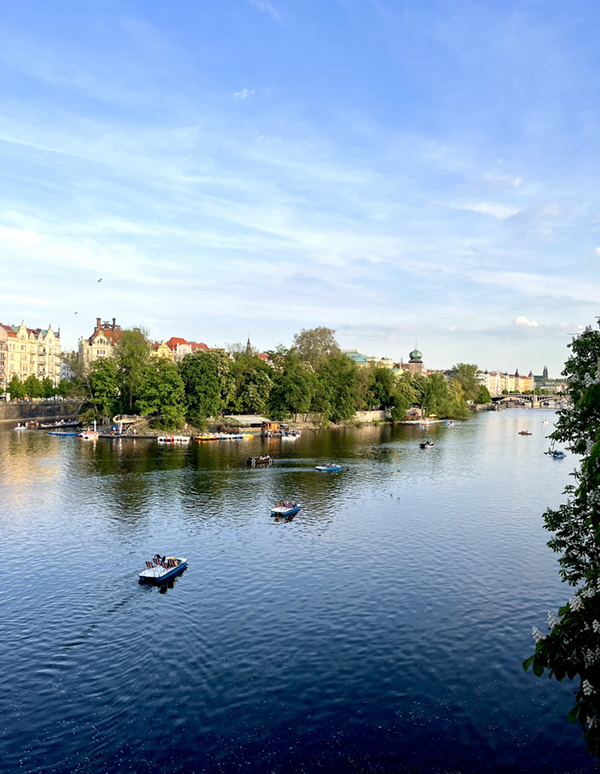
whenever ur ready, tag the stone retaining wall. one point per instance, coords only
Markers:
(17, 412)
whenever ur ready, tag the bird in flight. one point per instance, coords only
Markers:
(74, 312)
(100, 280)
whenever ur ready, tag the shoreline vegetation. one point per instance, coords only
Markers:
(311, 384)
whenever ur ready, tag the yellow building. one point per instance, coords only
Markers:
(162, 349)
(30, 352)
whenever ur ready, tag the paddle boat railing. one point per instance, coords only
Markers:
(161, 569)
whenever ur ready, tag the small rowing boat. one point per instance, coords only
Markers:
(260, 462)
(161, 569)
(64, 435)
(285, 509)
(328, 467)
(426, 445)
(88, 435)
(524, 432)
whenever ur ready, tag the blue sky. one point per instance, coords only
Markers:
(394, 170)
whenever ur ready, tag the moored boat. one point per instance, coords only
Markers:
(173, 439)
(88, 435)
(426, 445)
(163, 568)
(285, 509)
(524, 432)
(328, 467)
(20, 427)
(59, 424)
(64, 435)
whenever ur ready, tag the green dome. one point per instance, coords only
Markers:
(416, 355)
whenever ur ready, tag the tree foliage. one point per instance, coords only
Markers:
(467, 375)
(293, 388)
(208, 384)
(15, 388)
(338, 378)
(316, 345)
(132, 354)
(483, 396)
(162, 393)
(103, 387)
(572, 646)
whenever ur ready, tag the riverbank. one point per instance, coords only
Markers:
(29, 411)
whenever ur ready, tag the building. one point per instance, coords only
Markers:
(362, 361)
(100, 344)
(30, 352)
(3, 357)
(415, 363)
(497, 381)
(180, 347)
(163, 350)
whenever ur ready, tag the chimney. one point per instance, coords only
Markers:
(98, 324)
(114, 323)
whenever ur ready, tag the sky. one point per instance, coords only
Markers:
(424, 170)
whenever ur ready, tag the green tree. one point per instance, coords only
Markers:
(15, 388)
(338, 376)
(404, 397)
(571, 648)
(252, 384)
(132, 354)
(483, 395)
(316, 345)
(103, 383)
(162, 393)
(48, 390)
(32, 387)
(383, 388)
(468, 378)
(208, 384)
(293, 388)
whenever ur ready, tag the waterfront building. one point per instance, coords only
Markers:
(30, 352)
(100, 344)
(180, 347)
(162, 349)
(362, 361)
(3, 357)
(415, 363)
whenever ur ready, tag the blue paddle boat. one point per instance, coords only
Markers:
(556, 454)
(163, 568)
(285, 509)
(328, 467)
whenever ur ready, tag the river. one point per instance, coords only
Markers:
(382, 630)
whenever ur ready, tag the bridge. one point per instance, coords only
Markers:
(536, 401)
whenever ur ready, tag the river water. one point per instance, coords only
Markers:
(382, 630)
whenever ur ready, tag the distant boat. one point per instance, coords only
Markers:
(223, 436)
(426, 445)
(544, 421)
(524, 432)
(158, 570)
(64, 435)
(449, 422)
(285, 509)
(88, 435)
(556, 454)
(20, 427)
(59, 424)
(328, 467)
(173, 439)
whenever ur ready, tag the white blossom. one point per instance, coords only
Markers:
(588, 688)
(592, 722)
(537, 635)
(552, 621)
(596, 626)
(575, 604)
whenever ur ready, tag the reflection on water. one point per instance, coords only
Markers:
(380, 629)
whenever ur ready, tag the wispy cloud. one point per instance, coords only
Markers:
(499, 211)
(265, 5)
(522, 320)
(243, 93)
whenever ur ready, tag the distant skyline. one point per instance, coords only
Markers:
(250, 168)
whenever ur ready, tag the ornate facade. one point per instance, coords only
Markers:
(28, 352)
(100, 344)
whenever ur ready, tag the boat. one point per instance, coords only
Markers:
(524, 432)
(223, 436)
(285, 509)
(173, 439)
(426, 445)
(328, 467)
(59, 424)
(556, 454)
(544, 421)
(20, 427)
(88, 435)
(63, 435)
(449, 422)
(265, 461)
(162, 569)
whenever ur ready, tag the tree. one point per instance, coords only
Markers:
(48, 390)
(316, 345)
(572, 646)
(383, 387)
(132, 354)
(162, 393)
(103, 383)
(252, 385)
(338, 377)
(15, 388)
(208, 384)
(483, 396)
(293, 388)
(467, 376)
(32, 387)
(404, 397)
